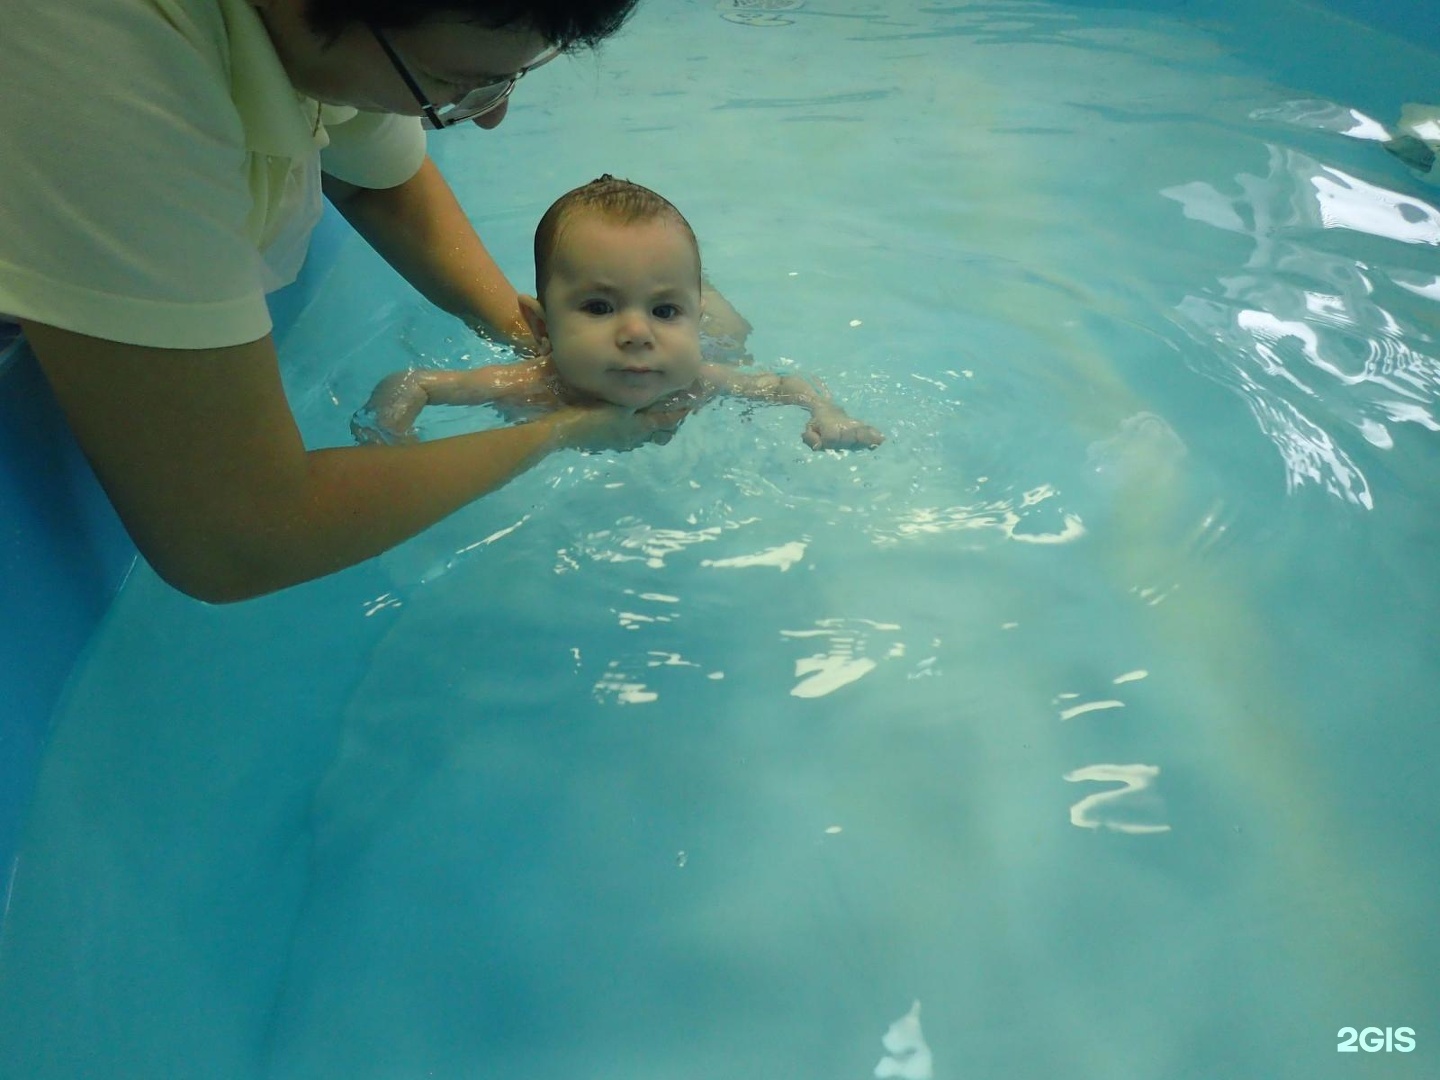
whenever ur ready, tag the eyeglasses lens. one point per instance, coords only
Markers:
(484, 99)
(476, 103)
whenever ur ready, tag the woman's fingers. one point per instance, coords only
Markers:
(597, 428)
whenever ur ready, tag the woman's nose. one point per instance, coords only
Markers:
(491, 119)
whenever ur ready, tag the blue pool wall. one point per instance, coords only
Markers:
(63, 555)
(63, 552)
(62, 558)
(1414, 20)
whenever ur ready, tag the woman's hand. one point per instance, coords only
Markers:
(601, 427)
(517, 337)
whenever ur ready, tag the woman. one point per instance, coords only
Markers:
(161, 166)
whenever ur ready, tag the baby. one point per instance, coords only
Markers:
(616, 319)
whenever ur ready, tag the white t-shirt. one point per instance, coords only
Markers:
(159, 173)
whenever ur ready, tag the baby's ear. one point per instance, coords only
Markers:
(533, 312)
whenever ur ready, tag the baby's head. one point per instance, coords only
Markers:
(617, 273)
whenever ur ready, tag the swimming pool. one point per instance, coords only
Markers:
(1092, 711)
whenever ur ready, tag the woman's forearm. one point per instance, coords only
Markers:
(201, 457)
(420, 229)
(354, 503)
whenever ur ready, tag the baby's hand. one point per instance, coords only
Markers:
(831, 429)
(389, 416)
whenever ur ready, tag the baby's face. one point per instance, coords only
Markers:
(622, 310)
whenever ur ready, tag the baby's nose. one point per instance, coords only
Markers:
(634, 328)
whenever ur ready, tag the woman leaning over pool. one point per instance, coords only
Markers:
(161, 167)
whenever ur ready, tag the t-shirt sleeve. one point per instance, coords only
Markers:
(123, 170)
(374, 150)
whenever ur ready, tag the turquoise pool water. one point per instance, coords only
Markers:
(1094, 711)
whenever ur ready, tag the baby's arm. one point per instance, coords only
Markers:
(830, 427)
(389, 415)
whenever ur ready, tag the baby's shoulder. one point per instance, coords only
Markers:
(526, 387)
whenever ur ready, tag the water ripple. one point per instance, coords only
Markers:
(1301, 332)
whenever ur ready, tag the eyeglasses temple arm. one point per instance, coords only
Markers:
(410, 83)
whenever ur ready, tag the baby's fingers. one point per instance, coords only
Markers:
(851, 436)
(867, 437)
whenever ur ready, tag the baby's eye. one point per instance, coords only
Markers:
(666, 311)
(596, 307)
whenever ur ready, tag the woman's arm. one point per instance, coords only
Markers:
(200, 455)
(420, 230)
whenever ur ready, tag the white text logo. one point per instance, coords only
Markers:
(1373, 1039)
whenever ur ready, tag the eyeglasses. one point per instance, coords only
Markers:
(476, 102)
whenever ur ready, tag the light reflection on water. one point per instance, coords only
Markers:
(1090, 710)
(1300, 331)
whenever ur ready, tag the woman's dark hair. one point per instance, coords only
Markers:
(564, 23)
